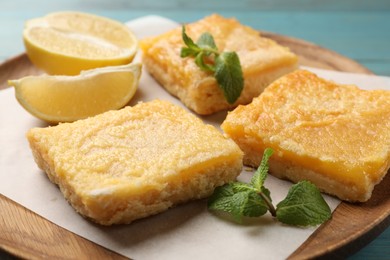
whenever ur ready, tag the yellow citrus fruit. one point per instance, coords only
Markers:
(69, 98)
(65, 43)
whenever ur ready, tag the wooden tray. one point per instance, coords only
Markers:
(27, 235)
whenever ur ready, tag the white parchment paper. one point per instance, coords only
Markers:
(188, 231)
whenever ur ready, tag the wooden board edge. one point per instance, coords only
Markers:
(336, 239)
(38, 241)
(12, 67)
(317, 56)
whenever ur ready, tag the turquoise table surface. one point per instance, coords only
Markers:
(358, 29)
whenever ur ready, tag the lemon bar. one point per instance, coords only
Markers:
(336, 136)
(262, 61)
(124, 165)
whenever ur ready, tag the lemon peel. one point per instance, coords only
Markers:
(65, 43)
(68, 98)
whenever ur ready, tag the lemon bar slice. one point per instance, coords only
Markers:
(128, 164)
(262, 61)
(336, 136)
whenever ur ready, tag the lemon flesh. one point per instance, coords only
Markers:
(65, 43)
(69, 98)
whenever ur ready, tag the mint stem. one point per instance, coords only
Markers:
(271, 207)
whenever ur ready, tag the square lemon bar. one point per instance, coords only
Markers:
(128, 164)
(336, 136)
(262, 61)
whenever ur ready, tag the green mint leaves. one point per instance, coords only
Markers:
(229, 75)
(226, 66)
(239, 199)
(303, 206)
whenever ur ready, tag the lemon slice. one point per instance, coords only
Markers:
(69, 98)
(65, 43)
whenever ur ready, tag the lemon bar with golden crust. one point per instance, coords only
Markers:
(336, 136)
(128, 164)
(262, 61)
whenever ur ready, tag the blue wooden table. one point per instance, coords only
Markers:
(358, 29)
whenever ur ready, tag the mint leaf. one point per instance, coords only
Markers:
(207, 43)
(261, 173)
(263, 194)
(240, 186)
(226, 65)
(188, 41)
(221, 199)
(239, 199)
(303, 206)
(266, 193)
(229, 75)
(199, 60)
(248, 204)
(185, 52)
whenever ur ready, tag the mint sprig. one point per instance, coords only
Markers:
(226, 66)
(298, 210)
(303, 205)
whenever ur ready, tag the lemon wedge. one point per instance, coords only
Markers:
(65, 43)
(69, 98)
